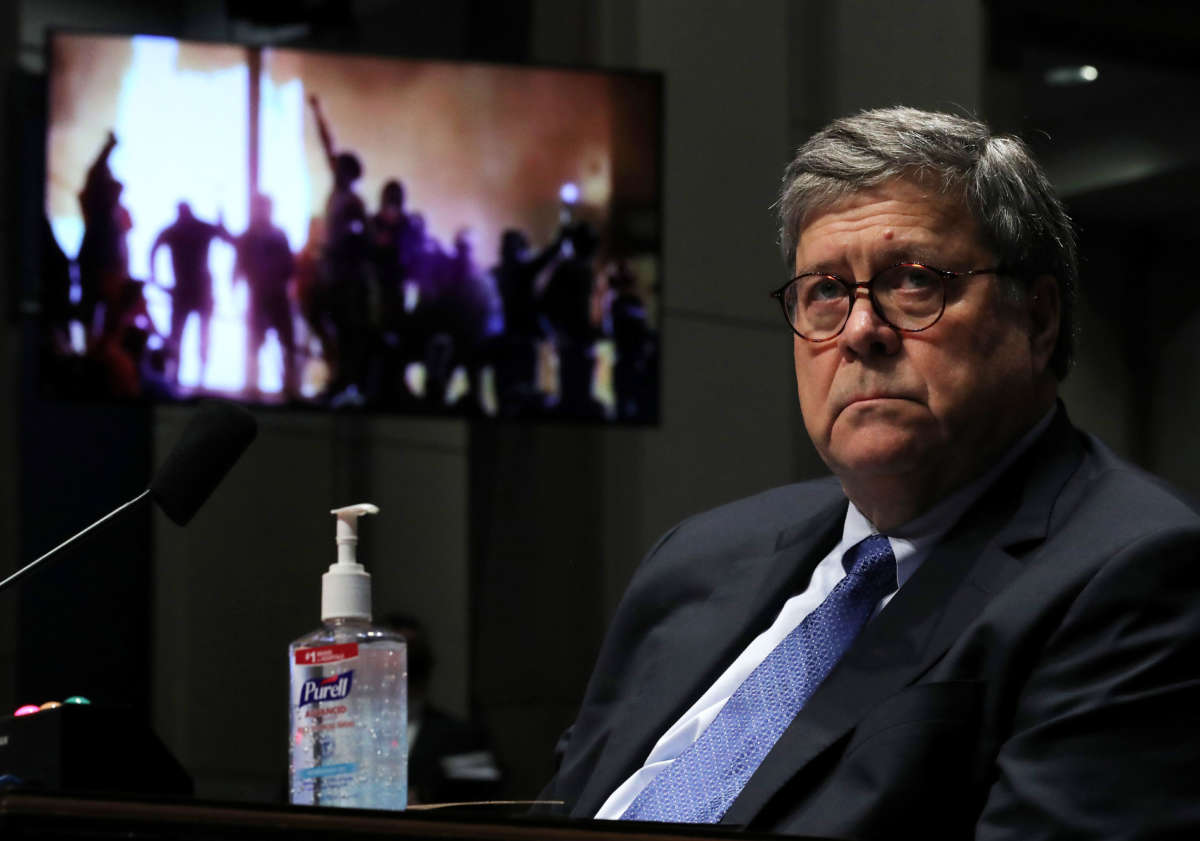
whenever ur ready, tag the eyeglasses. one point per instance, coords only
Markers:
(908, 296)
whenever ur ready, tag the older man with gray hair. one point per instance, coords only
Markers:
(984, 624)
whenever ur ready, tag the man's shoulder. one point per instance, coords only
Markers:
(776, 507)
(756, 523)
(1127, 497)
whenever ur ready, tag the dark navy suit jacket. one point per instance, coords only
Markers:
(1037, 677)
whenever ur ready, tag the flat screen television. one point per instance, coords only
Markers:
(340, 232)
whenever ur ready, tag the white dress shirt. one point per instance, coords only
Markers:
(911, 544)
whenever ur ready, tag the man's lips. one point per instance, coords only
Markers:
(867, 397)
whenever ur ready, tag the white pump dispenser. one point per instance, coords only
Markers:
(346, 588)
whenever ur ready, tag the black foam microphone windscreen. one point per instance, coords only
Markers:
(211, 443)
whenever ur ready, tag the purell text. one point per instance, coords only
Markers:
(332, 688)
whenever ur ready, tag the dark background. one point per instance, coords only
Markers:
(512, 543)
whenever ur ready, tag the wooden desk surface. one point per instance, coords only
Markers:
(48, 817)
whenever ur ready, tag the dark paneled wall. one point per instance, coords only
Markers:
(9, 351)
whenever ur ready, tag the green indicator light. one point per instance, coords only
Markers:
(77, 699)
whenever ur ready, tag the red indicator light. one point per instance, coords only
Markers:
(27, 709)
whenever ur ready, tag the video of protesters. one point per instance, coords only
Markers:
(338, 232)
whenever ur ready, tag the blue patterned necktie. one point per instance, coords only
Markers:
(701, 784)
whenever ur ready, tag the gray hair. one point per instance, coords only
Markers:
(1009, 195)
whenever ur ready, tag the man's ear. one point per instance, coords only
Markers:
(1044, 307)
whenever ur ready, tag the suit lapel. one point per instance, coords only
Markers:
(975, 561)
(687, 654)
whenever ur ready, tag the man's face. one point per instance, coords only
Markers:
(922, 411)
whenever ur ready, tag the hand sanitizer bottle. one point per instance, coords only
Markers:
(348, 705)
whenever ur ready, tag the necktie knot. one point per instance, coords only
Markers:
(872, 558)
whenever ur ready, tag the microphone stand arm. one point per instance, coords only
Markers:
(29, 566)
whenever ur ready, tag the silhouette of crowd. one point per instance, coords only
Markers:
(373, 311)
(96, 327)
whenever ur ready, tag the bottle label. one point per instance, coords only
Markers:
(347, 723)
(322, 654)
(332, 688)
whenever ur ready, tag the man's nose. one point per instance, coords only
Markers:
(866, 333)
